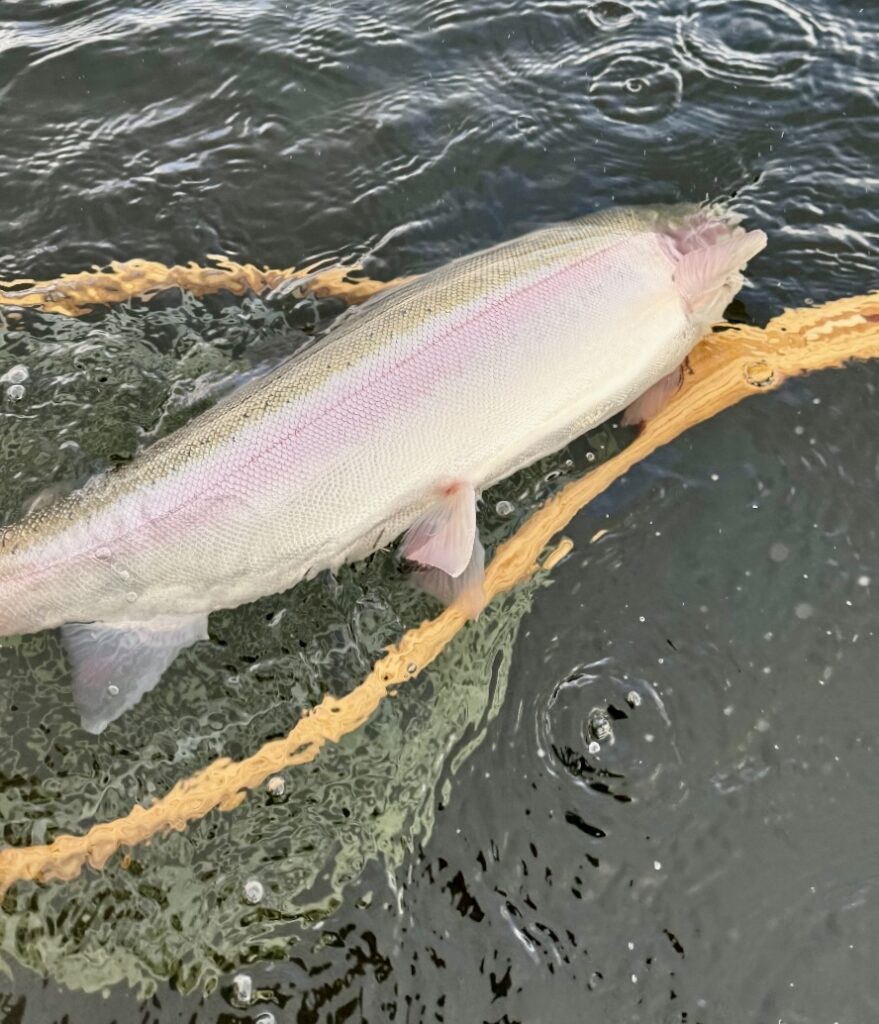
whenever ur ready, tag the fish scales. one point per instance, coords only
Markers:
(455, 379)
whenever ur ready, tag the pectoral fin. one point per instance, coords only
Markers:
(442, 537)
(114, 665)
(654, 399)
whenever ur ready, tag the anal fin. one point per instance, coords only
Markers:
(115, 664)
(466, 589)
(442, 537)
(445, 544)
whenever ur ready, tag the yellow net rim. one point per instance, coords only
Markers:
(79, 293)
(726, 367)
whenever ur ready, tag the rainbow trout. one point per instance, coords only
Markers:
(392, 423)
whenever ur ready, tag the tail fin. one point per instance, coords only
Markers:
(709, 251)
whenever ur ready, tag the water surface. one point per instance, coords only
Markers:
(467, 856)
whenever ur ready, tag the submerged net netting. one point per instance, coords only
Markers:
(213, 735)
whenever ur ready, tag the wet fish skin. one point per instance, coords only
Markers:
(394, 421)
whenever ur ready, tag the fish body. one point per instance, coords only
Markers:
(394, 421)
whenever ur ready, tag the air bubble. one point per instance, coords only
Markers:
(113, 690)
(599, 726)
(610, 14)
(131, 596)
(778, 551)
(15, 392)
(242, 989)
(276, 786)
(16, 375)
(253, 891)
(527, 125)
(760, 374)
(505, 508)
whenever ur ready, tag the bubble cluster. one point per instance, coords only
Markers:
(595, 725)
(14, 379)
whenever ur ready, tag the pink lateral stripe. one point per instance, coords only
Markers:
(416, 375)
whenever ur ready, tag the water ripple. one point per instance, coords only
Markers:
(753, 40)
(637, 88)
(609, 15)
(604, 732)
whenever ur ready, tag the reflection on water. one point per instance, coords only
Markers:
(644, 789)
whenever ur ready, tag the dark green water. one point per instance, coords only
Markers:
(465, 857)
